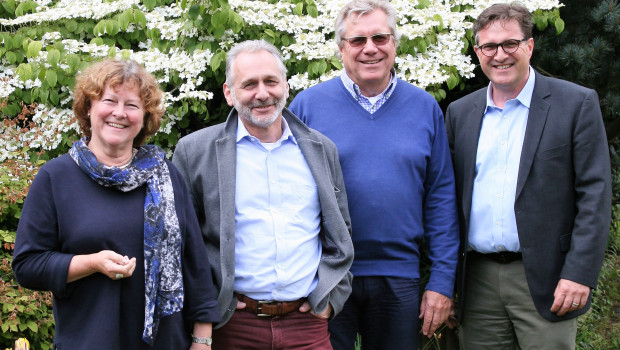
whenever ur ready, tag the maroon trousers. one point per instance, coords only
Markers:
(297, 330)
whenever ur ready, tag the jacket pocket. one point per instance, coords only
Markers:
(551, 152)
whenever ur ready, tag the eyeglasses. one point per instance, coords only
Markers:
(360, 41)
(509, 46)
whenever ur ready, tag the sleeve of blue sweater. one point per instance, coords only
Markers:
(440, 213)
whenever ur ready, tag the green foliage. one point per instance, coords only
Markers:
(600, 328)
(25, 313)
(586, 52)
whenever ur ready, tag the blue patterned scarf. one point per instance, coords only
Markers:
(162, 236)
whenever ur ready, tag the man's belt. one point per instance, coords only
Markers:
(499, 257)
(269, 308)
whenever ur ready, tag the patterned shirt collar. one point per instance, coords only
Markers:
(364, 101)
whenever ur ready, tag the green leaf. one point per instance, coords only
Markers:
(11, 57)
(9, 6)
(217, 59)
(442, 94)
(540, 20)
(452, 82)
(124, 19)
(150, 4)
(139, 18)
(125, 54)
(422, 4)
(34, 48)
(299, 9)
(32, 325)
(336, 63)
(7, 41)
(312, 11)
(73, 61)
(51, 77)
(420, 45)
(44, 95)
(96, 41)
(99, 28)
(438, 18)
(270, 32)
(286, 40)
(71, 25)
(559, 26)
(54, 97)
(53, 57)
(322, 66)
(193, 12)
(219, 19)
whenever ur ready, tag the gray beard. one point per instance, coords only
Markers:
(245, 112)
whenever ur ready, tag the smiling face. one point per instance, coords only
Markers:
(368, 66)
(507, 72)
(116, 119)
(259, 91)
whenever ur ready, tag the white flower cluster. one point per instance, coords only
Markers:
(50, 125)
(67, 9)
(166, 20)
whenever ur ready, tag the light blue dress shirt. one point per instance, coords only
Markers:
(371, 104)
(493, 227)
(277, 219)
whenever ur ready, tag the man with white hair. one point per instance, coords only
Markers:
(270, 199)
(396, 164)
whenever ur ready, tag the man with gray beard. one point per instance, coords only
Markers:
(269, 195)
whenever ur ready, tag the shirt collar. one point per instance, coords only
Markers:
(524, 97)
(354, 89)
(242, 132)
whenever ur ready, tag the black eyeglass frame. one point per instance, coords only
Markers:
(372, 37)
(496, 46)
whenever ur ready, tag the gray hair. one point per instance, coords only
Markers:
(358, 8)
(251, 46)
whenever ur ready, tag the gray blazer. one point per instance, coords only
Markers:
(563, 197)
(207, 161)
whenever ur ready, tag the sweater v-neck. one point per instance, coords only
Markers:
(362, 110)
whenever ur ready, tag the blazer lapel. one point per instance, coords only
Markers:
(313, 152)
(226, 150)
(471, 136)
(536, 120)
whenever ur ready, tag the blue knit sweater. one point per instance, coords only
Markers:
(398, 177)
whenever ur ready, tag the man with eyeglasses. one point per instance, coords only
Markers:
(534, 193)
(395, 160)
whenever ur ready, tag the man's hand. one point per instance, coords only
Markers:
(305, 307)
(435, 310)
(569, 296)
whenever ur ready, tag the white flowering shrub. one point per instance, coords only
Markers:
(44, 43)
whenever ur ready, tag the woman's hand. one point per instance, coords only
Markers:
(107, 262)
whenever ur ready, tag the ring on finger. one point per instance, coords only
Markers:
(120, 275)
(575, 304)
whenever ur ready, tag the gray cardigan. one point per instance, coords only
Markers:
(207, 162)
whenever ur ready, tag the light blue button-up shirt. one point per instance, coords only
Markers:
(493, 227)
(277, 222)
